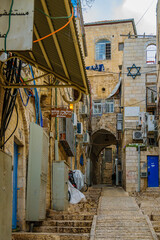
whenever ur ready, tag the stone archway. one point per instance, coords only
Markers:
(100, 139)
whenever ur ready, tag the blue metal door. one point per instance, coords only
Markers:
(15, 179)
(153, 171)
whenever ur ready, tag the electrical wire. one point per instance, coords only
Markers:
(24, 104)
(64, 17)
(13, 130)
(40, 39)
(144, 13)
(12, 76)
(9, 25)
(39, 119)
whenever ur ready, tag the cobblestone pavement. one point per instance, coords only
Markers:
(119, 217)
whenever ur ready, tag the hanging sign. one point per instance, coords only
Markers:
(61, 112)
(16, 25)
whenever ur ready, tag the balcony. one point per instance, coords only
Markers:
(66, 136)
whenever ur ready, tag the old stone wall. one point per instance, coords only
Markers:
(21, 138)
(131, 167)
(134, 89)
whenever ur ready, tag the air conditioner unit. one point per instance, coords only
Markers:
(86, 138)
(151, 123)
(79, 128)
(137, 135)
(83, 110)
(74, 120)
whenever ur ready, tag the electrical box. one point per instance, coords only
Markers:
(80, 128)
(151, 123)
(84, 111)
(74, 120)
(144, 175)
(86, 138)
(5, 196)
(20, 35)
(60, 186)
(119, 122)
(37, 174)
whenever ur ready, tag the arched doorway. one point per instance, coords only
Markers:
(102, 155)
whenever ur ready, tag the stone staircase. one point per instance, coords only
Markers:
(67, 225)
(149, 203)
(119, 217)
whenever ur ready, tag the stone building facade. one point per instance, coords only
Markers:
(18, 141)
(105, 43)
(139, 97)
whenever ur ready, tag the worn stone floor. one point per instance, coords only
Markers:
(149, 203)
(119, 217)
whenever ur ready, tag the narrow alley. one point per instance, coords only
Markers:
(79, 120)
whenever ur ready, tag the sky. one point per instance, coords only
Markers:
(124, 9)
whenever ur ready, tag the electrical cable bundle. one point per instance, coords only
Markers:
(13, 73)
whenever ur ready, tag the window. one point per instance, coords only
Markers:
(151, 54)
(97, 107)
(120, 46)
(103, 50)
(109, 106)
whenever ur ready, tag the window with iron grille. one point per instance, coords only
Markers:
(103, 50)
(109, 106)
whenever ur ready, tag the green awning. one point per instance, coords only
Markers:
(59, 54)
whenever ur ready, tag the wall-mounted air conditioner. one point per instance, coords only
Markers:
(86, 138)
(79, 128)
(84, 110)
(137, 135)
(74, 120)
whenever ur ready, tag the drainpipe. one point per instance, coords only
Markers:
(56, 131)
(75, 152)
(139, 168)
(116, 162)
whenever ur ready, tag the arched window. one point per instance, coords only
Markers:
(103, 50)
(151, 54)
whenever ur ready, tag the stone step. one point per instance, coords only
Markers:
(117, 233)
(69, 236)
(49, 236)
(67, 223)
(156, 226)
(155, 217)
(74, 216)
(121, 218)
(50, 229)
(122, 224)
(35, 236)
(119, 213)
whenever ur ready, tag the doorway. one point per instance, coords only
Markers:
(15, 182)
(153, 171)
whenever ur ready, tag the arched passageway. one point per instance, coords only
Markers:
(102, 154)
